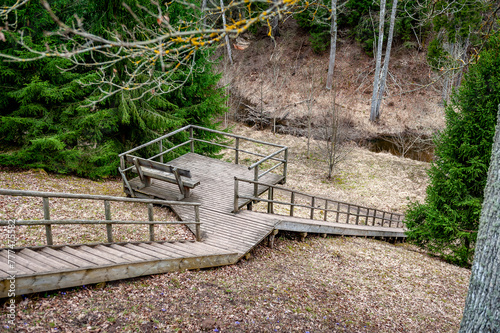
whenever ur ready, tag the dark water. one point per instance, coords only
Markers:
(416, 148)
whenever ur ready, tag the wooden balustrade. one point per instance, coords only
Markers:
(48, 222)
(257, 166)
(352, 213)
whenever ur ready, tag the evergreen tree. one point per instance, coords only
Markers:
(447, 222)
(46, 119)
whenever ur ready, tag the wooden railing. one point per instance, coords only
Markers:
(107, 212)
(342, 212)
(274, 156)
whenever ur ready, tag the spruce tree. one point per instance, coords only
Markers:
(46, 121)
(447, 223)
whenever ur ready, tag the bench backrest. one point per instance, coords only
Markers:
(157, 165)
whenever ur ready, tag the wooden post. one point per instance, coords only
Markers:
(46, 216)
(191, 139)
(109, 227)
(271, 238)
(151, 226)
(237, 152)
(357, 215)
(122, 167)
(292, 201)
(348, 213)
(390, 221)
(312, 209)
(197, 219)
(326, 211)
(374, 216)
(285, 165)
(236, 205)
(338, 212)
(270, 196)
(367, 215)
(160, 143)
(256, 178)
(383, 218)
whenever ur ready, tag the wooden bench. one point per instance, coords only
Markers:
(147, 169)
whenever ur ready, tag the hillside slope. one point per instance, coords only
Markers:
(277, 76)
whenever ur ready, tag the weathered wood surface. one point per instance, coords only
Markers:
(216, 182)
(50, 268)
(148, 170)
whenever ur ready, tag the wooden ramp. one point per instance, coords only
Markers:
(221, 228)
(47, 268)
(242, 231)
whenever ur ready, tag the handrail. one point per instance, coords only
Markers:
(107, 211)
(267, 158)
(24, 193)
(273, 156)
(155, 140)
(359, 211)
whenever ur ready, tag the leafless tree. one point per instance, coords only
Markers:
(333, 133)
(333, 45)
(379, 81)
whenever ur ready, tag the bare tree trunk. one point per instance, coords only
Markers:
(333, 144)
(227, 37)
(385, 69)
(376, 81)
(203, 9)
(274, 24)
(333, 46)
(482, 307)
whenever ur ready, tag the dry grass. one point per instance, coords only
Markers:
(320, 285)
(377, 180)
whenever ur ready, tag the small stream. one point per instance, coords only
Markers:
(420, 148)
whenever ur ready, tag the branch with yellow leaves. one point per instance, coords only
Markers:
(146, 57)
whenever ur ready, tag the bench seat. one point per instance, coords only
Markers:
(148, 169)
(167, 177)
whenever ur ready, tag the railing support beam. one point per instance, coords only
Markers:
(46, 216)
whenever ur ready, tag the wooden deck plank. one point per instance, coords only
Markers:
(174, 249)
(85, 255)
(105, 255)
(120, 254)
(33, 266)
(144, 251)
(154, 247)
(5, 269)
(45, 260)
(67, 257)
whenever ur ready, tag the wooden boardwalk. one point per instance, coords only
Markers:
(242, 231)
(221, 228)
(55, 267)
(226, 237)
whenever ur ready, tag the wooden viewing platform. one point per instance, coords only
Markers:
(220, 189)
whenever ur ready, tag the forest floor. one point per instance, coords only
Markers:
(334, 284)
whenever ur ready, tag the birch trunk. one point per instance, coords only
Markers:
(227, 37)
(387, 57)
(333, 46)
(203, 9)
(376, 80)
(482, 307)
